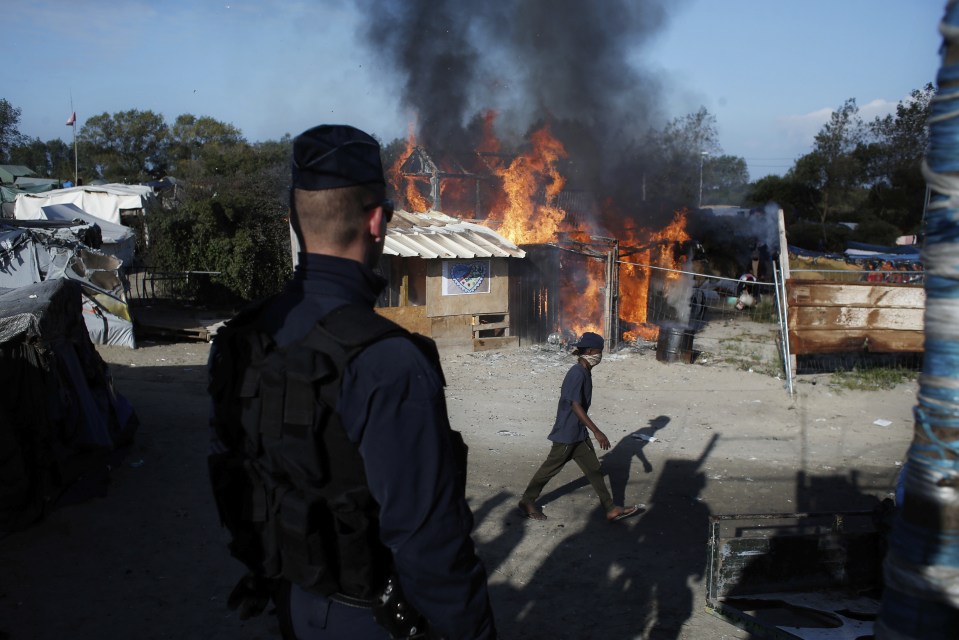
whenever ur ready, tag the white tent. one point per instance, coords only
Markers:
(118, 240)
(104, 201)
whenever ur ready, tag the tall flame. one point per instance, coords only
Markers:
(532, 184)
(635, 279)
(410, 188)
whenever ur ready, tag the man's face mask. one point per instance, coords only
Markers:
(594, 359)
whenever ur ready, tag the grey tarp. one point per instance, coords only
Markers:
(118, 240)
(36, 250)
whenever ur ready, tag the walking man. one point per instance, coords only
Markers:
(570, 436)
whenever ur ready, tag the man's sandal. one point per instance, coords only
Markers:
(626, 513)
(530, 511)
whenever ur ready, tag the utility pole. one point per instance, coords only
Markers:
(702, 160)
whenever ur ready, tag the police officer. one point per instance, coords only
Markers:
(391, 401)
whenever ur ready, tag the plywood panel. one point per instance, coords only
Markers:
(842, 318)
(810, 341)
(410, 318)
(452, 330)
(854, 294)
(836, 317)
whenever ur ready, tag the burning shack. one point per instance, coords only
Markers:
(448, 279)
(587, 266)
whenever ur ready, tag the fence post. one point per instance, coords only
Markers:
(785, 275)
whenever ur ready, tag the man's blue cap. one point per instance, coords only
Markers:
(331, 156)
(590, 340)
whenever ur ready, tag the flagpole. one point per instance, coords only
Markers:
(76, 171)
(76, 178)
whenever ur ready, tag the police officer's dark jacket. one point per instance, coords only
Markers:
(378, 488)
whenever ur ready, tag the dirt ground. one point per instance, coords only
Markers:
(147, 558)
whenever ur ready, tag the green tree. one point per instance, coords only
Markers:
(51, 159)
(797, 199)
(129, 146)
(672, 160)
(242, 237)
(876, 231)
(893, 155)
(200, 145)
(10, 135)
(725, 180)
(833, 168)
(231, 219)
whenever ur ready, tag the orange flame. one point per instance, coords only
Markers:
(583, 292)
(635, 279)
(409, 188)
(532, 184)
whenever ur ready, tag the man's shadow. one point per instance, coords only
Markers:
(617, 462)
(633, 576)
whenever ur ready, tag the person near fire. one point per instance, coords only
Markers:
(387, 516)
(570, 435)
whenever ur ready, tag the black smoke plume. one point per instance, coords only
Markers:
(571, 63)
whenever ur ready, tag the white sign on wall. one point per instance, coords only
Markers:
(464, 277)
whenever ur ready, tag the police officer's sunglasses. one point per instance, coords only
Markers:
(387, 205)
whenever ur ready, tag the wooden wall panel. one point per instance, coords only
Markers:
(836, 317)
(812, 341)
(496, 301)
(410, 318)
(854, 294)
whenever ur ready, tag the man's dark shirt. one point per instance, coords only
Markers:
(577, 387)
(392, 406)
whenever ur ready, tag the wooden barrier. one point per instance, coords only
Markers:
(836, 317)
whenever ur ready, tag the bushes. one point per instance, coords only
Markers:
(243, 237)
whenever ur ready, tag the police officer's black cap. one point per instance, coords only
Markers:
(334, 155)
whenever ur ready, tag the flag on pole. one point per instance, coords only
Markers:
(72, 120)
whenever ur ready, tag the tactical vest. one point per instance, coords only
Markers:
(290, 485)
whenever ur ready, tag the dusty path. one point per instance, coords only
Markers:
(148, 559)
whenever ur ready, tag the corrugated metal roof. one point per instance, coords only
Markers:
(433, 234)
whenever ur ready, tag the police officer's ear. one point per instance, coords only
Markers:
(378, 216)
(375, 224)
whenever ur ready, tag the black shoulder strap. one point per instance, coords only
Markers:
(356, 326)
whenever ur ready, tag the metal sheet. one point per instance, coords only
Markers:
(433, 234)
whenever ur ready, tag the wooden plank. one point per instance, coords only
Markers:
(490, 325)
(410, 318)
(485, 344)
(854, 294)
(811, 341)
(844, 318)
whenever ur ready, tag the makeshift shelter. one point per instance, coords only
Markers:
(9, 173)
(37, 185)
(33, 251)
(110, 202)
(60, 418)
(448, 279)
(118, 240)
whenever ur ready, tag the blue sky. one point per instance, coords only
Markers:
(770, 71)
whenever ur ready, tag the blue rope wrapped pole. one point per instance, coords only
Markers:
(921, 596)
